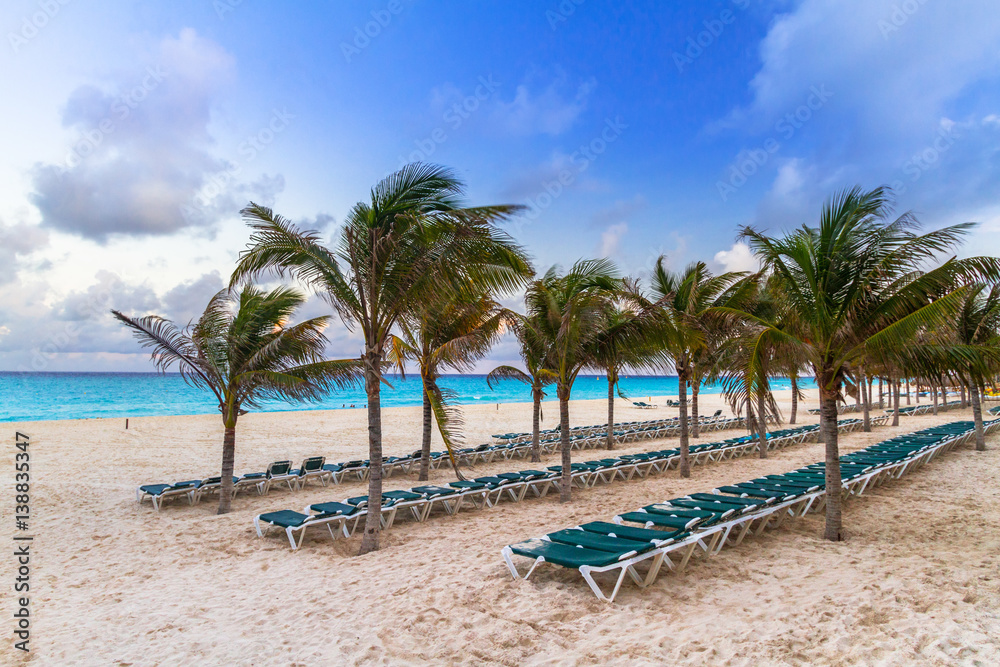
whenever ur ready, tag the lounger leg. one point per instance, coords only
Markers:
(743, 531)
(507, 553)
(685, 557)
(654, 569)
(291, 537)
(589, 578)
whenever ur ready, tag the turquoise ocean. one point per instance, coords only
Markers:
(45, 396)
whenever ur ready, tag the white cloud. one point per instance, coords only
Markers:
(551, 110)
(18, 242)
(611, 238)
(737, 258)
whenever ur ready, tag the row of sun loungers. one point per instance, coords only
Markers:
(316, 468)
(845, 409)
(279, 472)
(626, 431)
(419, 503)
(667, 534)
(925, 408)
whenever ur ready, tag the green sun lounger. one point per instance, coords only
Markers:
(157, 493)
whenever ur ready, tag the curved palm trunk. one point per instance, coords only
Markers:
(894, 390)
(977, 416)
(228, 463)
(866, 402)
(610, 442)
(565, 483)
(695, 415)
(536, 411)
(828, 425)
(795, 398)
(683, 400)
(762, 422)
(373, 527)
(425, 442)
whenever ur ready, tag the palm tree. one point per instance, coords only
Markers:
(536, 375)
(570, 310)
(410, 240)
(625, 339)
(855, 286)
(685, 302)
(454, 332)
(243, 350)
(978, 327)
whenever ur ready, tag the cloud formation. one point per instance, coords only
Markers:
(553, 110)
(143, 148)
(17, 242)
(737, 258)
(911, 105)
(611, 239)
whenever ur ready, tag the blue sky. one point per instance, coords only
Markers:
(135, 131)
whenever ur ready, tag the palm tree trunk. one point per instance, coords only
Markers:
(683, 400)
(881, 394)
(828, 424)
(894, 390)
(961, 388)
(761, 423)
(977, 415)
(916, 384)
(565, 484)
(795, 397)
(908, 391)
(695, 415)
(228, 463)
(934, 397)
(373, 527)
(610, 443)
(866, 399)
(536, 410)
(425, 442)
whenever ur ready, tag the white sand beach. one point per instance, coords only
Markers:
(917, 582)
